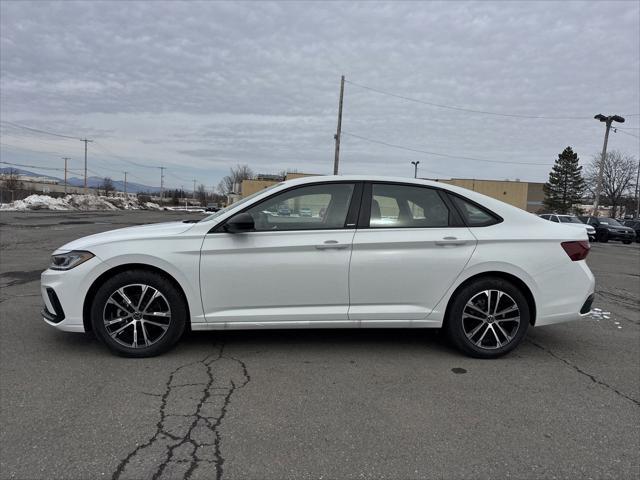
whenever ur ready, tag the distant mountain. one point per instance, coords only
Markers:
(96, 182)
(19, 171)
(93, 182)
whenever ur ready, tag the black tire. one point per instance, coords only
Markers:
(602, 236)
(169, 297)
(626, 242)
(455, 326)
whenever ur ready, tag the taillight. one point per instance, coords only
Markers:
(576, 250)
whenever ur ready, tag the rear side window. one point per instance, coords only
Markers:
(405, 206)
(473, 215)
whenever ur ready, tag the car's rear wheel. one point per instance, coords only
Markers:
(626, 242)
(488, 318)
(138, 313)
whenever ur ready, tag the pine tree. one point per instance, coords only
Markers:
(565, 186)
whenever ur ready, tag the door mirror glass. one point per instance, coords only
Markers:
(243, 222)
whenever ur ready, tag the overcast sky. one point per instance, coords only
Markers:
(199, 87)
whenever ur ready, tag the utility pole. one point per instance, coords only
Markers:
(638, 191)
(603, 157)
(125, 185)
(65, 173)
(161, 184)
(194, 188)
(85, 161)
(415, 168)
(336, 159)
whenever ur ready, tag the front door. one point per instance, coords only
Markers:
(291, 270)
(410, 249)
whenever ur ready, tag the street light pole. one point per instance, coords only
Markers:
(606, 120)
(415, 168)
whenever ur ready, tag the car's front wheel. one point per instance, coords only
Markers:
(488, 318)
(138, 313)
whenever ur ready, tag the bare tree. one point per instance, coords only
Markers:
(201, 194)
(11, 181)
(617, 178)
(107, 186)
(236, 175)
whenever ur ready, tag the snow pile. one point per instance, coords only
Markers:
(77, 202)
(37, 202)
(88, 202)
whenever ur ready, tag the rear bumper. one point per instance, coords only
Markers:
(566, 294)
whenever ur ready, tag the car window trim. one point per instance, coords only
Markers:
(364, 218)
(357, 189)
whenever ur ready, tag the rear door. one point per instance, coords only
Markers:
(409, 248)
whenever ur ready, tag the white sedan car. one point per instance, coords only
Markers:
(375, 252)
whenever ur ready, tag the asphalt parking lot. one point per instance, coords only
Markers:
(312, 404)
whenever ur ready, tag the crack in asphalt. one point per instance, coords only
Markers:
(582, 372)
(191, 413)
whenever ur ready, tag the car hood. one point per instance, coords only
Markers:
(618, 228)
(154, 230)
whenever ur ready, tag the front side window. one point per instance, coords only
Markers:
(313, 207)
(554, 219)
(475, 216)
(405, 206)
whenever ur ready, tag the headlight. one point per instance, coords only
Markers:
(69, 260)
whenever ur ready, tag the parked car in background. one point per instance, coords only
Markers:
(212, 207)
(305, 212)
(284, 210)
(635, 224)
(444, 257)
(609, 229)
(571, 221)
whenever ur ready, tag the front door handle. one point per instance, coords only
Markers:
(332, 244)
(450, 241)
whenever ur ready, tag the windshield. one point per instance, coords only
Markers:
(610, 221)
(239, 202)
(569, 220)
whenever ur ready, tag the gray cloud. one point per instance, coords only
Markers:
(200, 86)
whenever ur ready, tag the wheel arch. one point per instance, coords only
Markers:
(88, 299)
(519, 283)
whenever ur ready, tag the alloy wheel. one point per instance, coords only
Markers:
(136, 315)
(490, 319)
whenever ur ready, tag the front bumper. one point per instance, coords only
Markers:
(625, 236)
(63, 293)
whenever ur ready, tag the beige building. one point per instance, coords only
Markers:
(525, 195)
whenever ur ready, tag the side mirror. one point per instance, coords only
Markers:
(243, 222)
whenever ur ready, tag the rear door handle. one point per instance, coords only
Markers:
(450, 241)
(332, 244)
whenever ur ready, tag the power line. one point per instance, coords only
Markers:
(123, 159)
(617, 130)
(469, 110)
(36, 167)
(38, 130)
(410, 149)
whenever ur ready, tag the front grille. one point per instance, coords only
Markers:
(586, 308)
